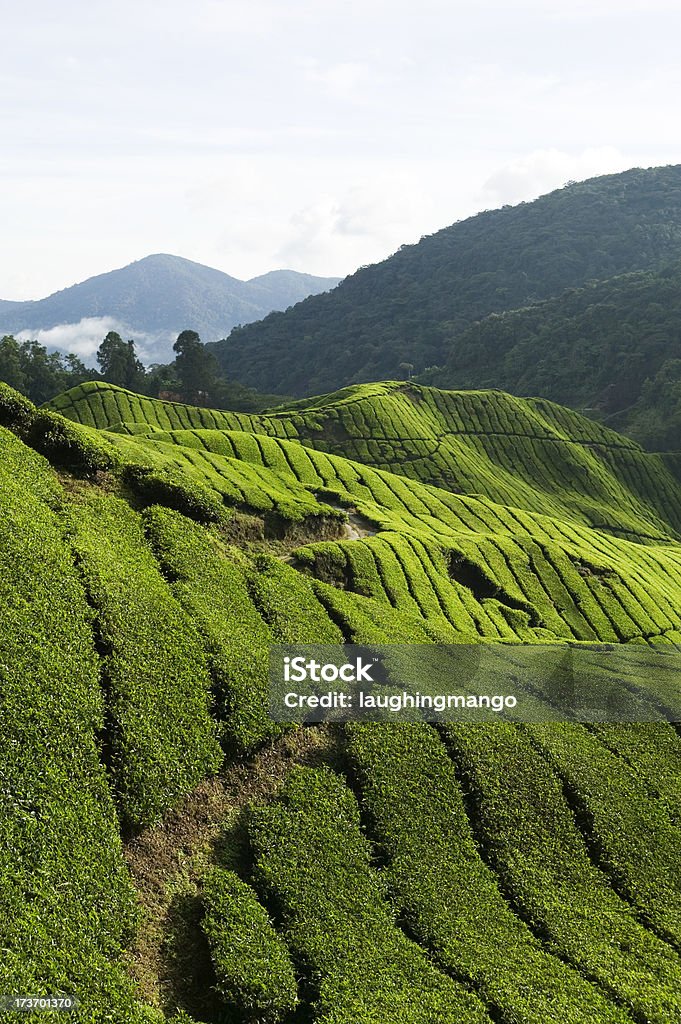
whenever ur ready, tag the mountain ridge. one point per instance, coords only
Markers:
(162, 294)
(412, 307)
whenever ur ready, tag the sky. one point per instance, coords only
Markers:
(252, 135)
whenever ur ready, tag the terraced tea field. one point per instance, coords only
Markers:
(171, 853)
(522, 452)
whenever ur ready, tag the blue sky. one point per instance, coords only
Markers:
(312, 135)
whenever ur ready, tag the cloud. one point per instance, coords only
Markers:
(370, 219)
(257, 134)
(345, 80)
(543, 170)
(85, 337)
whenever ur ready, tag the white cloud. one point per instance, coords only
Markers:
(345, 80)
(361, 223)
(85, 337)
(249, 133)
(543, 170)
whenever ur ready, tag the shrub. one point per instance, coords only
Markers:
(16, 411)
(531, 839)
(163, 741)
(165, 487)
(314, 862)
(71, 445)
(66, 903)
(253, 969)
(213, 591)
(449, 897)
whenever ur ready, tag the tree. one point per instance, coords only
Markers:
(76, 368)
(37, 373)
(44, 371)
(118, 361)
(11, 363)
(196, 367)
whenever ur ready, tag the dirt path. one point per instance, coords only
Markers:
(169, 958)
(357, 527)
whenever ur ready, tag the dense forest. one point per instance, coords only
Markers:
(611, 349)
(412, 309)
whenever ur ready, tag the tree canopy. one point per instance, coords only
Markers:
(37, 373)
(196, 367)
(194, 376)
(118, 361)
(414, 306)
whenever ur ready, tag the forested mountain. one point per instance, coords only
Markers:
(162, 295)
(413, 308)
(611, 349)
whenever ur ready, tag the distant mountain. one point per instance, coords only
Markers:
(157, 297)
(415, 306)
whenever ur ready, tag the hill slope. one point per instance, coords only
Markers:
(526, 872)
(413, 306)
(163, 295)
(592, 348)
(526, 453)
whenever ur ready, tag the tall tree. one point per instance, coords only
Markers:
(196, 367)
(11, 363)
(118, 361)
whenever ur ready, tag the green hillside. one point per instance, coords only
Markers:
(612, 348)
(413, 307)
(171, 853)
(526, 453)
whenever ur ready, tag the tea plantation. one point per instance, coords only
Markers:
(151, 553)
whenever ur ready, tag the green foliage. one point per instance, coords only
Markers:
(162, 740)
(610, 349)
(288, 604)
(167, 487)
(213, 590)
(448, 896)
(71, 445)
(195, 365)
(313, 861)
(104, 406)
(527, 454)
(539, 871)
(413, 307)
(638, 845)
(28, 367)
(653, 752)
(655, 418)
(531, 840)
(118, 362)
(16, 412)
(505, 572)
(37, 373)
(253, 969)
(66, 902)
